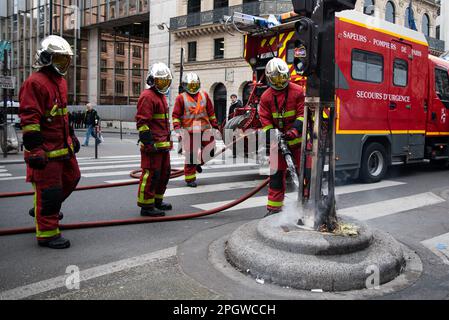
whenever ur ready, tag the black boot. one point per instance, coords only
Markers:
(271, 212)
(55, 243)
(31, 213)
(192, 184)
(151, 212)
(198, 168)
(163, 205)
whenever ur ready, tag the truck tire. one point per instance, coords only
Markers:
(374, 163)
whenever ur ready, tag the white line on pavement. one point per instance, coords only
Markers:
(439, 245)
(5, 174)
(3, 170)
(88, 274)
(13, 178)
(384, 208)
(211, 188)
(290, 197)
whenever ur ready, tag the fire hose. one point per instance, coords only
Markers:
(109, 223)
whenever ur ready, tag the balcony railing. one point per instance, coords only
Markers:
(435, 44)
(216, 15)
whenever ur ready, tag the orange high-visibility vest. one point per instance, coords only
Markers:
(195, 116)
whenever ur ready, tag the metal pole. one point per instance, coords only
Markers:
(5, 105)
(181, 71)
(51, 17)
(96, 141)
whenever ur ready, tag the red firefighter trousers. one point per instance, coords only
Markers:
(52, 186)
(278, 170)
(154, 179)
(197, 152)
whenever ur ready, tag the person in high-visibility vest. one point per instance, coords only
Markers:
(193, 115)
(152, 121)
(282, 108)
(49, 140)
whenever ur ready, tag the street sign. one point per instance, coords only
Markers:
(7, 82)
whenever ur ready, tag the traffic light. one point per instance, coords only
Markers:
(340, 5)
(306, 48)
(304, 7)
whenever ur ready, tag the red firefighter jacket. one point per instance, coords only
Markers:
(43, 107)
(283, 115)
(185, 117)
(153, 115)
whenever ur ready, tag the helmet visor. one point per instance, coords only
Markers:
(279, 81)
(162, 84)
(193, 87)
(61, 63)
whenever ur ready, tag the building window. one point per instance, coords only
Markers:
(136, 70)
(119, 67)
(193, 6)
(400, 73)
(220, 4)
(136, 88)
(219, 48)
(368, 7)
(191, 46)
(104, 65)
(425, 27)
(121, 48)
(409, 20)
(390, 12)
(367, 66)
(137, 52)
(103, 86)
(437, 33)
(104, 46)
(119, 87)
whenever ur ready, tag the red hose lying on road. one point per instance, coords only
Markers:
(175, 174)
(109, 223)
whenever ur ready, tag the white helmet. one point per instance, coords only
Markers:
(160, 77)
(191, 82)
(54, 51)
(277, 73)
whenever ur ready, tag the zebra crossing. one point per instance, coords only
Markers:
(243, 176)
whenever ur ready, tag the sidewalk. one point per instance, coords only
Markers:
(112, 146)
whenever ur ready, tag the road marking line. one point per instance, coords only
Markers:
(13, 178)
(129, 165)
(200, 176)
(361, 212)
(5, 174)
(211, 188)
(88, 274)
(439, 245)
(392, 206)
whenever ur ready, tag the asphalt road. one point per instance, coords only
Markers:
(154, 261)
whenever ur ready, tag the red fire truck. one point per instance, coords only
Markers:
(392, 96)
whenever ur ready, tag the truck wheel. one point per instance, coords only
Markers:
(374, 163)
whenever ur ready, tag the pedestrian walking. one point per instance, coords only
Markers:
(91, 120)
(50, 143)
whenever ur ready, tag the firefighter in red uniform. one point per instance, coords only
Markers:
(282, 108)
(155, 144)
(50, 143)
(194, 114)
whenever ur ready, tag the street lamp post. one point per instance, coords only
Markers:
(162, 26)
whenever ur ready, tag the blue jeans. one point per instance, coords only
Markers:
(89, 132)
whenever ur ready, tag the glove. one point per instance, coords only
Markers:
(75, 141)
(291, 134)
(148, 143)
(36, 158)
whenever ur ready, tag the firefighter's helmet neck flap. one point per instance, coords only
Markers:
(54, 52)
(159, 77)
(277, 74)
(191, 83)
